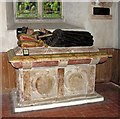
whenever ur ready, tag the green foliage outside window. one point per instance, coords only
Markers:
(26, 9)
(51, 9)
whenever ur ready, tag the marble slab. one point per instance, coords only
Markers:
(56, 50)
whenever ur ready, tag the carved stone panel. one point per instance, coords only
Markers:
(79, 80)
(37, 84)
(44, 83)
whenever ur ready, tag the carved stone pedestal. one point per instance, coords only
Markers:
(55, 77)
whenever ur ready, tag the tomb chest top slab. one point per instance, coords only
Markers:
(53, 56)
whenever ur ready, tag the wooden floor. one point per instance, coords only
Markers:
(108, 108)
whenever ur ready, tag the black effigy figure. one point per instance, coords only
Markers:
(61, 38)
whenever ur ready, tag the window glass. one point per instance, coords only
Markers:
(48, 9)
(26, 9)
(51, 9)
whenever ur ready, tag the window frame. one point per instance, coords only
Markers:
(13, 23)
(40, 8)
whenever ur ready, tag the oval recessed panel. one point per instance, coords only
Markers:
(44, 84)
(76, 82)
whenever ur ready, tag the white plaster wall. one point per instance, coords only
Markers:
(115, 26)
(104, 31)
(76, 13)
(7, 37)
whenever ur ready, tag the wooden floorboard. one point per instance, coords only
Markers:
(108, 108)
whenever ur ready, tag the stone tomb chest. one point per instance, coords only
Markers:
(55, 77)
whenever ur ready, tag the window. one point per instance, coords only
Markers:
(52, 9)
(26, 9)
(41, 9)
(40, 16)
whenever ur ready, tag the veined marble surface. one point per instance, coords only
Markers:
(56, 50)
